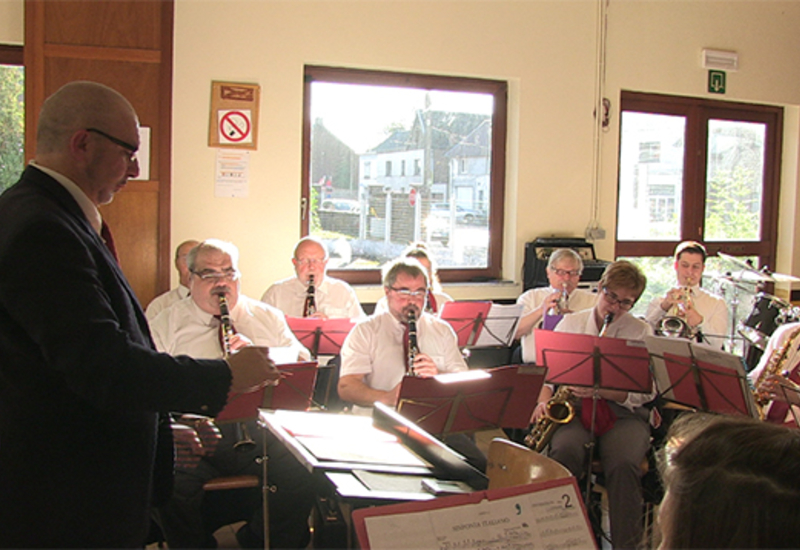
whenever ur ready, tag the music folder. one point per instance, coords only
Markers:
(320, 336)
(592, 361)
(482, 323)
(549, 514)
(700, 377)
(473, 400)
(293, 392)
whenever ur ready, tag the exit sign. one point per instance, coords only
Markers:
(716, 82)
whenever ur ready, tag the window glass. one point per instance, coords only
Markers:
(12, 124)
(650, 176)
(402, 163)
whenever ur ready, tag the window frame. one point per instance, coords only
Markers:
(11, 55)
(499, 90)
(697, 112)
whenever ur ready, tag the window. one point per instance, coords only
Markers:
(693, 169)
(451, 130)
(12, 115)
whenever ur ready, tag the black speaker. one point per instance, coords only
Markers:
(537, 254)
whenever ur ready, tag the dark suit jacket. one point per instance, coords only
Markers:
(81, 386)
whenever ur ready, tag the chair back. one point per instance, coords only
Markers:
(510, 464)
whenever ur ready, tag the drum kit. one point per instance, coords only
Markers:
(767, 312)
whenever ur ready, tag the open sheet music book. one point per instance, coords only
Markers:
(482, 323)
(549, 514)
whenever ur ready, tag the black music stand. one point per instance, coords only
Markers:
(472, 401)
(320, 336)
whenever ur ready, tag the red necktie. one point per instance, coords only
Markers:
(105, 233)
(604, 417)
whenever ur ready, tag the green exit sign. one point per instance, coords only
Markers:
(716, 82)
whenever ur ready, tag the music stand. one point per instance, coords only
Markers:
(463, 402)
(700, 377)
(320, 336)
(482, 323)
(595, 362)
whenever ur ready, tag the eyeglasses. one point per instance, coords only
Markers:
(209, 275)
(406, 293)
(614, 300)
(566, 272)
(308, 262)
(131, 149)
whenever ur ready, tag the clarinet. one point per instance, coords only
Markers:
(310, 305)
(244, 440)
(607, 321)
(413, 348)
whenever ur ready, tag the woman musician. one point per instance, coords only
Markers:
(776, 377)
(621, 424)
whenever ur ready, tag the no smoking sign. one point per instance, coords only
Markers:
(235, 126)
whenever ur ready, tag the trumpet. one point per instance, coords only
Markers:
(674, 325)
(413, 348)
(560, 306)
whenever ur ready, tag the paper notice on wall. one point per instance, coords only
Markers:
(232, 173)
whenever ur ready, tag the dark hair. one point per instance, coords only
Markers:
(692, 247)
(732, 482)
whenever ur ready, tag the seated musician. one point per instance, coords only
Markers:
(193, 327)
(163, 301)
(621, 424)
(436, 297)
(564, 268)
(705, 315)
(777, 375)
(375, 358)
(333, 297)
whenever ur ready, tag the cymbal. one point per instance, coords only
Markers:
(750, 272)
(743, 281)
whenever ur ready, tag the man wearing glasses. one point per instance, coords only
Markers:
(79, 374)
(621, 424)
(334, 298)
(192, 327)
(373, 355)
(564, 268)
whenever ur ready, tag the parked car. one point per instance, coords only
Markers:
(340, 205)
(463, 215)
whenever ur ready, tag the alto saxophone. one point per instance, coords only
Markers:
(558, 411)
(775, 365)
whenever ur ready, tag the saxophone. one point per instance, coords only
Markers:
(559, 410)
(775, 365)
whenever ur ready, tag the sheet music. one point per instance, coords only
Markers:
(549, 518)
(499, 326)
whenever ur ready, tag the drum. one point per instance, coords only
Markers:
(767, 314)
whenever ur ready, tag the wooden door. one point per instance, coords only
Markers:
(127, 45)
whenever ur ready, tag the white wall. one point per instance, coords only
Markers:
(12, 22)
(545, 49)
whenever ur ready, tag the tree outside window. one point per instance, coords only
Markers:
(12, 115)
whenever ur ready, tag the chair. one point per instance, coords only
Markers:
(510, 464)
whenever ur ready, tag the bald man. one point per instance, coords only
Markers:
(84, 445)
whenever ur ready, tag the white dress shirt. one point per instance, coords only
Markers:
(185, 329)
(334, 298)
(534, 298)
(163, 301)
(374, 348)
